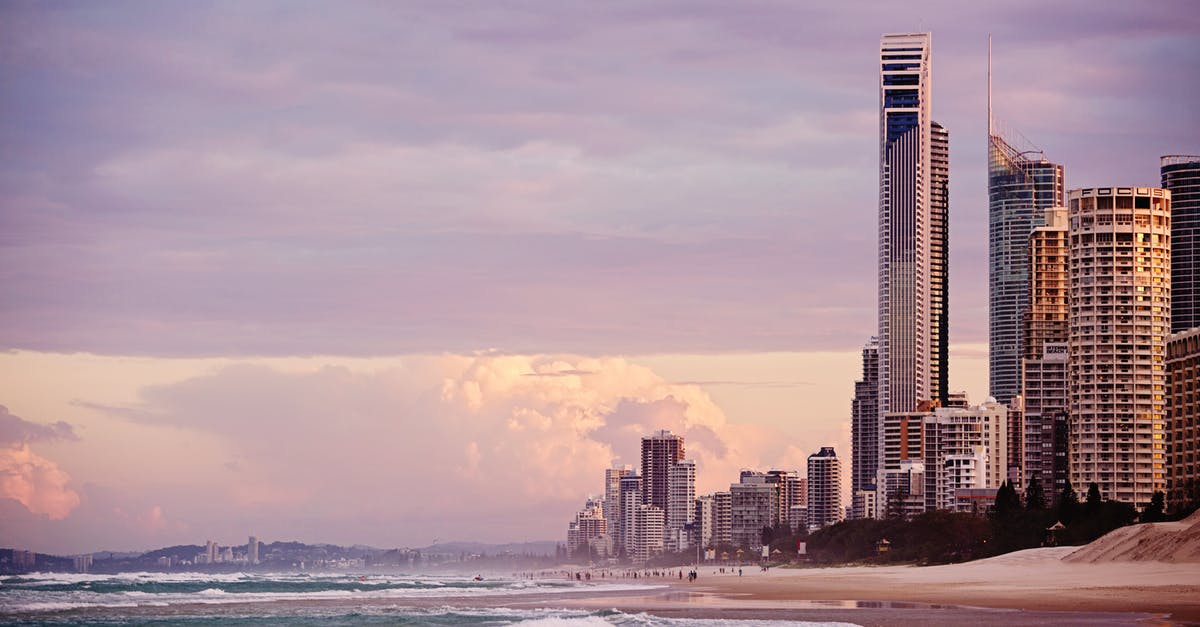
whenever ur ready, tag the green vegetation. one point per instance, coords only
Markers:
(941, 537)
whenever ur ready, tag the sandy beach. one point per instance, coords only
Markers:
(1037, 582)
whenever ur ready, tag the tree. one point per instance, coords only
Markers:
(1007, 501)
(1068, 504)
(1035, 498)
(1093, 499)
(1155, 510)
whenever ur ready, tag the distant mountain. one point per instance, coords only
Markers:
(544, 547)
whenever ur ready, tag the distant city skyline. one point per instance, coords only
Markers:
(360, 275)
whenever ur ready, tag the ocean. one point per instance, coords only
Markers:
(318, 599)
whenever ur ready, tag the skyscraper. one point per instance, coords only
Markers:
(1022, 184)
(1183, 407)
(681, 503)
(612, 498)
(1120, 299)
(660, 452)
(824, 488)
(1044, 388)
(631, 497)
(1181, 175)
(913, 229)
(864, 422)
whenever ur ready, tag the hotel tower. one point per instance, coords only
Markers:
(913, 227)
(1120, 301)
(1022, 185)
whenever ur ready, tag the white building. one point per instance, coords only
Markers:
(647, 533)
(1120, 300)
(681, 504)
(824, 489)
(964, 446)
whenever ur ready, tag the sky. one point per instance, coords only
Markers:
(389, 273)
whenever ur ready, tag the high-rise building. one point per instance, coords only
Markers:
(588, 524)
(705, 519)
(1022, 184)
(903, 445)
(824, 488)
(793, 492)
(681, 503)
(1181, 175)
(660, 452)
(647, 533)
(913, 225)
(722, 518)
(939, 262)
(864, 421)
(1120, 301)
(252, 550)
(1044, 387)
(754, 505)
(1183, 417)
(612, 498)
(631, 497)
(964, 449)
(211, 552)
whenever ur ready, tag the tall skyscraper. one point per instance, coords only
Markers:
(864, 422)
(824, 488)
(1022, 184)
(1181, 175)
(631, 497)
(681, 503)
(1120, 300)
(612, 498)
(252, 550)
(939, 263)
(660, 452)
(905, 223)
(1045, 391)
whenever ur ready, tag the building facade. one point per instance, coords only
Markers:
(631, 497)
(910, 367)
(1044, 438)
(753, 506)
(964, 448)
(648, 524)
(1181, 176)
(864, 421)
(1120, 302)
(722, 519)
(681, 504)
(612, 499)
(1183, 418)
(824, 489)
(1022, 184)
(660, 452)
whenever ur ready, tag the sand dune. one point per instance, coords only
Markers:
(1175, 542)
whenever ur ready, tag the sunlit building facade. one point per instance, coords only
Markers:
(1120, 299)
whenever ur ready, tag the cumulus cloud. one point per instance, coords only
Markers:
(417, 450)
(36, 482)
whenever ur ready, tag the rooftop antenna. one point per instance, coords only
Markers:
(989, 86)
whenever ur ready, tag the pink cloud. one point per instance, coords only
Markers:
(36, 482)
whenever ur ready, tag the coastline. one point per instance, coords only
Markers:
(1026, 586)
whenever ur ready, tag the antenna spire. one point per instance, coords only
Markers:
(989, 86)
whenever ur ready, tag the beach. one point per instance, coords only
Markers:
(1037, 583)
(1034, 587)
